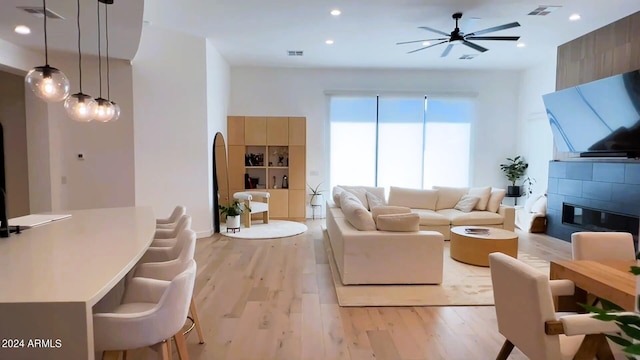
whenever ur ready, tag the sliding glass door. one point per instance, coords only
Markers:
(407, 141)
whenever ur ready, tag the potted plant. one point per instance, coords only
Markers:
(232, 213)
(316, 195)
(514, 170)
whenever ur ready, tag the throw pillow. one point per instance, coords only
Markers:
(399, 222)
(360, 192)
(484, 193)
(467, 203)
(497, 195)
(374, 200)
(448, 197)
(384, 210)
(337, 190)
(530, 201)
(356, 214)
(413, 198)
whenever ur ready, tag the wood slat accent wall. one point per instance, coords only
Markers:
(608, 51)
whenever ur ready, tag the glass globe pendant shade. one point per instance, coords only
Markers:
(80, 107)
(48, 83)
(116, 111)
(104, 110)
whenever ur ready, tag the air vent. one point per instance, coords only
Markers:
(543, 10)
(295, 52)
(38, 12)
(467, 57)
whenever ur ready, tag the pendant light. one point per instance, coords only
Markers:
(80, 106)
(116, 107)
(104, 108)
(46, 82)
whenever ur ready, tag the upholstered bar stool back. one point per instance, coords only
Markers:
(167, 237)
(170, 222)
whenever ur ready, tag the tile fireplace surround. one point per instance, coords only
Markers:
(603, 185)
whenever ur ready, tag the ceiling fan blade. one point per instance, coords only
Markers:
(434, 30)
(426, 47)
(417, 41)
(474, 46)
(447, 50)
(495, 28)
(508, 38)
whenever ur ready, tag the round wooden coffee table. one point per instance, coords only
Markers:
(474, 249)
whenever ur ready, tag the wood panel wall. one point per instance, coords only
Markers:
(608, 51)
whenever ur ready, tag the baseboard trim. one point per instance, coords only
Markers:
(204, 234)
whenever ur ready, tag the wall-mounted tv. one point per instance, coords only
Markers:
(600, 118)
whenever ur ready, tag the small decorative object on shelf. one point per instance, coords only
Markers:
(275, 185)
(285, 182)
(282, 154)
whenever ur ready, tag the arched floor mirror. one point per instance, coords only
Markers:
(220, 178)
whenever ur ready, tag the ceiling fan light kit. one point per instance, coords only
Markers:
(458, 37)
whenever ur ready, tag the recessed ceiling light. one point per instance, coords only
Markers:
(336, 12)
(426, 43)
(22, 30)
(329, 42)
(521, 45)
(574, 17)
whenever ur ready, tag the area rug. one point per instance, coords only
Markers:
(462, 285)
(273, 230)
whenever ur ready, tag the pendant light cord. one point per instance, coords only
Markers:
(99, 52)
(106, 21)
(46, 53)
(79, 52)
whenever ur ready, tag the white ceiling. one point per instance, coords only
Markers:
(259, 33)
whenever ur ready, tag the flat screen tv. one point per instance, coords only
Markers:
(600, 118)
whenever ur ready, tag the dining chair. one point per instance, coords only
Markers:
(170, 222)
(586, 245)
(151, 313)
(260, 206)
(527, 319)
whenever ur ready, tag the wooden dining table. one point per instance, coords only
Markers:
(604, 279)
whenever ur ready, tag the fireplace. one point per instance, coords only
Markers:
(591, 219)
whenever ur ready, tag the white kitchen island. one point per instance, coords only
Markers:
(52, 275)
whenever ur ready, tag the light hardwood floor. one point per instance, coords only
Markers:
(273, 299)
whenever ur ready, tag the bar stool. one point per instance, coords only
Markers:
(167, 237)
(170, 222)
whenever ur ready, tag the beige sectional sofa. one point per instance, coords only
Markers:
(401, 241)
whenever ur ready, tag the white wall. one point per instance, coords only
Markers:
(171, 134)
(218, 84)
(535, 138)
(301, 92)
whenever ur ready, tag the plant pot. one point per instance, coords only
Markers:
(233, 222)
(514, 191)
(316, 200)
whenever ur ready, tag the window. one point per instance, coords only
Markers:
(407, 141)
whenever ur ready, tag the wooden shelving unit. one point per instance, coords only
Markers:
(262, 152)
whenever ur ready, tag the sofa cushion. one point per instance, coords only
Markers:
(384, 210)
(430, 217)
(475, 217)
(374, 200)
(399, 222)
(484, 193)
(337, 190)
(413, 198)
(467, 203)
(448, 197)
(496, 199)
(355, 213)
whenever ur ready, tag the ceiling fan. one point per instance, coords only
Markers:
(458, 37)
